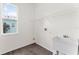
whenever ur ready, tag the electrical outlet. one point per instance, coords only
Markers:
(33, 38)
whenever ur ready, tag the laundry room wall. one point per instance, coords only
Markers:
(59, 19)
(25, 29)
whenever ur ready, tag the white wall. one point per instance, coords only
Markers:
(59, 19)
(25, 33)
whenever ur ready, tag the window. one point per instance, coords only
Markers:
(9, 18)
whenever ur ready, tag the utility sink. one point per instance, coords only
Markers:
(65, 45)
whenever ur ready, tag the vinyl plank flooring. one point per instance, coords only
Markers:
(32, 49)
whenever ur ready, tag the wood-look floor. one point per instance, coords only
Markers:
(32, 49)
